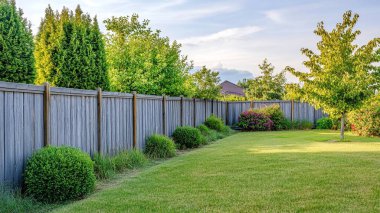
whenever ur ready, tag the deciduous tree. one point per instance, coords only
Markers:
(207, 84)
(141, 60)
(341, 74)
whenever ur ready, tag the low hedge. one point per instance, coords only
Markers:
(160, 146)
(187, 137)
(214, 123)
(57, 174)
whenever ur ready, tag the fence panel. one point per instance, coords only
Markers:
(200, 110)
(21, 128)
(73, 119)
(116, 119)
(173, 114)
(188, 112)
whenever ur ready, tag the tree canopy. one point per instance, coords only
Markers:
(16, 45)
(342, 75)
(70, 51)
(265, 87)
(141, 60)
(206, 84)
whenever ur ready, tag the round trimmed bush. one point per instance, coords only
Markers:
(214, 123)
(324, 123)
(187, 137)
(56, 174)
(159, 146)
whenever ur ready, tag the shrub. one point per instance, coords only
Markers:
(56, 174)
(104, 166)
(366, 121)
(129, 160)
(324, 123)
(204, 129)
(214, 123)
(187, 137)
(160, 146)
(275, 113)
(256, 121)
(304, 124)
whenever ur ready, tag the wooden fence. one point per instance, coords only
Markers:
(107, 122)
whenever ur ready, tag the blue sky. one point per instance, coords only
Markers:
(233, 36)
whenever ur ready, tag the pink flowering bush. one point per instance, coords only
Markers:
(255, 121)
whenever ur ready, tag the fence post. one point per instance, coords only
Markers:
(292, 110)
(194, 112)
(205, 100)
(164, 114)
(251, 106)
(47, 114)
(212, 106)
(100, 96)
(227, 120)
(181, 110)
(134, 100)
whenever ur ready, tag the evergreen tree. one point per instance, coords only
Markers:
(16, 45)
(70, 51)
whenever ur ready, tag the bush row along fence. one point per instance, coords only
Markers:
(107, 122)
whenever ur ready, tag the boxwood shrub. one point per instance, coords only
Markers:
(187, 137)
(276, 115)
(56, 174)
(214, 123)
(160, 146)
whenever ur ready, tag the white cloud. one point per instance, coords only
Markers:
(275, 15)
(227, 34)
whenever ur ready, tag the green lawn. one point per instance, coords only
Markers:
(287, 171)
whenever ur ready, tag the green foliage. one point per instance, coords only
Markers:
(141, 60)
(204, 129)
(292, 92)
(160, 146)
(56, 174)
(366, 120)
(324, 123)
(341, 76)
(214, 123)
(187, 137)
(265, 87)
(70, 51)
(275, 113)
(16, 45)
(207, 84)
(301, 124)
(130, 159)
(104, 166)
(232, 98)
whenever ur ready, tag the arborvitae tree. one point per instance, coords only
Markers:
(16, 45)
(70, 51)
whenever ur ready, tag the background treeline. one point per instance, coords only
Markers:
(70, 51)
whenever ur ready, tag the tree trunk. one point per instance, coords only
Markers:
(342, 127)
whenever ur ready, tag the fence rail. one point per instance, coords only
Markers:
(107, 122)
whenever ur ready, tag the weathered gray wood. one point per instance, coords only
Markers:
(2, 141)
(9, 138)
(47, 119)
(18, 136)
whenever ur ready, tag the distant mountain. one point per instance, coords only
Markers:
(232, 75)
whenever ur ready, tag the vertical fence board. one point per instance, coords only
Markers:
(2, 141)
